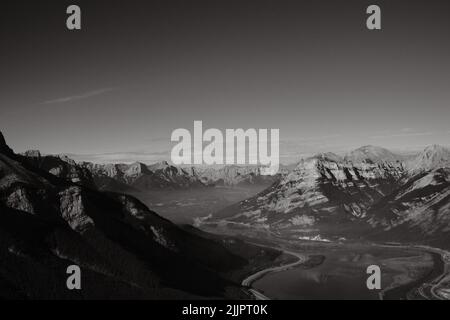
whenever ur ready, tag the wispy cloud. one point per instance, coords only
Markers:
(403, 134)
(80, 96)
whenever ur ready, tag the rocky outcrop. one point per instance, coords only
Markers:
(20, 200)
(73, 211)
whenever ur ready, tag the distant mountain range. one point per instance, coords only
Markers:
(52, 215)
(370, 193)
(141, 177)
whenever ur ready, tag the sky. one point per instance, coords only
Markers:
(115, 90)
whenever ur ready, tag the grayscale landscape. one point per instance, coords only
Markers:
(307, 233)
(88, 175)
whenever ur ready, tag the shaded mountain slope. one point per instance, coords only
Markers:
(419, 211)
(62, 167)
(48, 223)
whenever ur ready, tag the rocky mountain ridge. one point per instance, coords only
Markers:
(139, 176)
(368, 190)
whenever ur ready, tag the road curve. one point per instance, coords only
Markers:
(250, 279)
(427, 290)
(435, 284)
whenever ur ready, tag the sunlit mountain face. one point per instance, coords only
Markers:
(370, 192)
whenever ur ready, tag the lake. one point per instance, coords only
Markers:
(342, 274)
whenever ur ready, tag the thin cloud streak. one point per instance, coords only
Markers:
(82, 96)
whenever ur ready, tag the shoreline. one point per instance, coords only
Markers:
(425, 286)
(247, 282)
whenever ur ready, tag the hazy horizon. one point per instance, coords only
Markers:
(152, 158)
